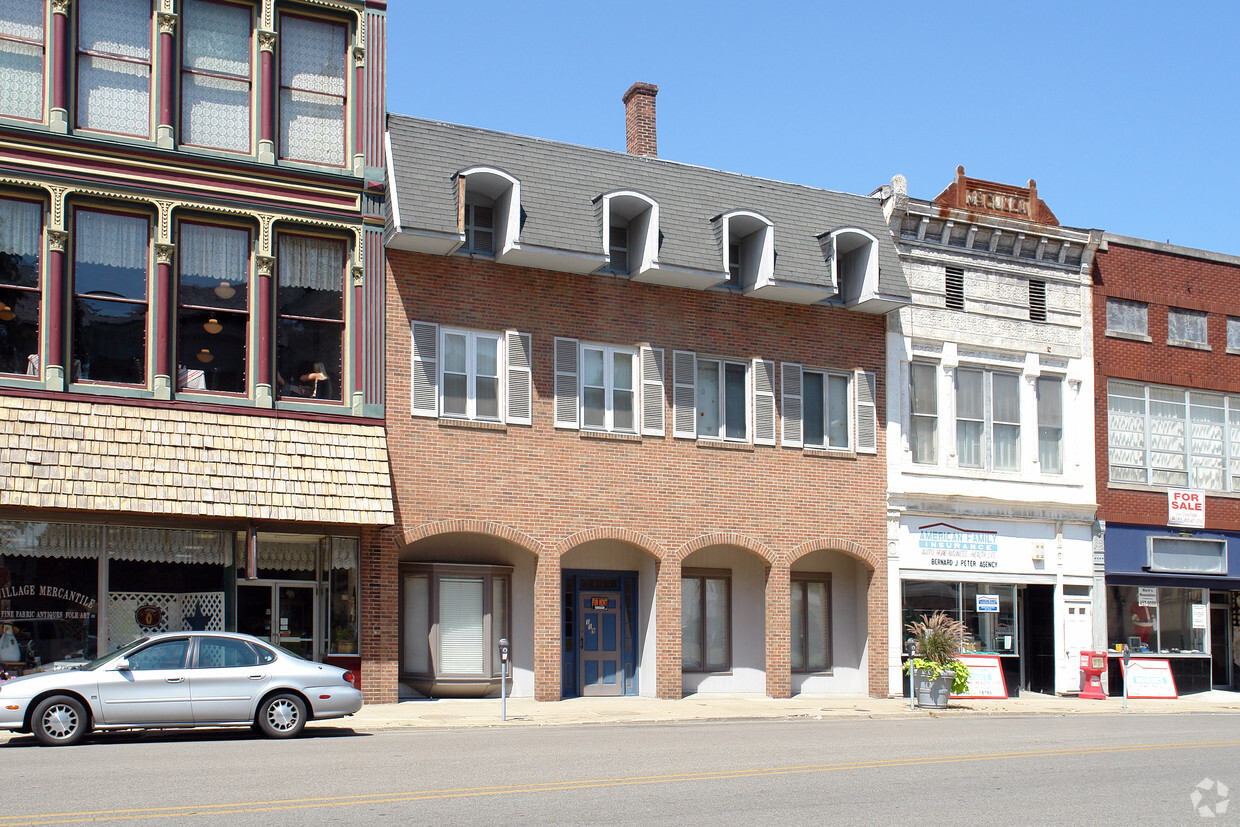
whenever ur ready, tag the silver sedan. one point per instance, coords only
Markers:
(180, 679)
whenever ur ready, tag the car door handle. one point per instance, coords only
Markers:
(257, 677)
(174, 680)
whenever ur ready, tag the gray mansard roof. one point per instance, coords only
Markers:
(561, 183)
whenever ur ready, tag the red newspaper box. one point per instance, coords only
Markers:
(1093, 664)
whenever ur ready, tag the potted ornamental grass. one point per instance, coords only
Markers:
(937, 674)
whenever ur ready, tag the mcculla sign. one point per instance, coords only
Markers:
(979, 199)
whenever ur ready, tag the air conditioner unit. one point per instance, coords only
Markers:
(1039, 552)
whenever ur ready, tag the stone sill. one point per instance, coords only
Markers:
(607, 435)
(724, 445)
(472, 424)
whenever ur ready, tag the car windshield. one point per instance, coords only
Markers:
(124, 650)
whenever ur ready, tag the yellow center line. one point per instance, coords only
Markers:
(560, 786)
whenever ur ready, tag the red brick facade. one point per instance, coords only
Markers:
(551, 491)
(1163, 278)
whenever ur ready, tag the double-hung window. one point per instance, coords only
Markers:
(111, 267)
(471, 374)
(811, 622)
(22, 43)
(21, 235)
(608, 388)
(1050, 424)
(705, 620)
(312, 90)
(988, 419)
(213, 318)
(722, 399)
(310, 323)
(923, 439)
(216, 75)
(114, 66)
(827, 403)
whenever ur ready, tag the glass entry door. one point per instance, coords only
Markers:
(281, 613)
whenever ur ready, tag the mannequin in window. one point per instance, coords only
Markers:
(311, 381)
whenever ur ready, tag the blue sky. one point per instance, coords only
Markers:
(1126, 115)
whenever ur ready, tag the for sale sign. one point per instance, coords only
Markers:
(1186, 508)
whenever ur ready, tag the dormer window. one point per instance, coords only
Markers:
(750, 249)
(489, 204)
(479, 229)
(630, 230)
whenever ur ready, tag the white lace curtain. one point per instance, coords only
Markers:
(288, 556)
(21, 223)
(215, 110)
(315, 263)
(215, 253)
(111, 240)
(344, 553)
(114, 95)
(31, 539)
(312, 89)
(161, 545)
(21, 59)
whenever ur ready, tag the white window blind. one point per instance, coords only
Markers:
(461, 637)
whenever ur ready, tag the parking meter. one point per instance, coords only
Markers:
(911, 646)
(503, 678)
(1127, 658)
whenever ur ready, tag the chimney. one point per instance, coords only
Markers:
(639, 128)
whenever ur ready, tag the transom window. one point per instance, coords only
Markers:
(811, 622)
(111, 267)
(1173, 437)
(310, 317)
(22, 39)
(114, 66)
(312, 90)
(705, 620)
(471, 374)
(987, 419)
(21, 234)
(608, 391)
(213, 319)
(216, 75)
(1127, 317)
(827, 423)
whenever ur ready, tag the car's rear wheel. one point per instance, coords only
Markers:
(281, 716)
(60, 721)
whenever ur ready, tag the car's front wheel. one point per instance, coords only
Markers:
(281, 716)
(60, 721)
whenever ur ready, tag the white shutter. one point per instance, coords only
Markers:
(790, 384)
(652, 391)
(763, 402)
(684, 394)
(567, 404)
(867, 412)
(518, 349)
(425, 369)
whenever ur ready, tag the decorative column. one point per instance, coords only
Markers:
(359, 356)
(60, 65)
(263, 320)
(360, 107)
(164, 292)
(266, 97)
(54, 364)
(165, 133)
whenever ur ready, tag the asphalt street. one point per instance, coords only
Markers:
(1098, 769)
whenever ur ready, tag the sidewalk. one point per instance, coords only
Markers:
(422, 714)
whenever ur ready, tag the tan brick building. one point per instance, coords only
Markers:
(635, 424)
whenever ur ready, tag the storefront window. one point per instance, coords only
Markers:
(1151, 619)
(49, 594)
(342, 596)
(454, 616)
(989, 632)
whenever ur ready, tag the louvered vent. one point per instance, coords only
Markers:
(619, 249)
(953, 288)
(1037, 300)
(480, 229)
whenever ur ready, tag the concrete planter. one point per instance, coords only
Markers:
(933, 693)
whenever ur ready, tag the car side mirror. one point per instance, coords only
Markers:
(121, 665)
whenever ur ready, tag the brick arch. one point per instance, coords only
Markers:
(726, 538)
(490, 529)
(851, 548)
(624, 535)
